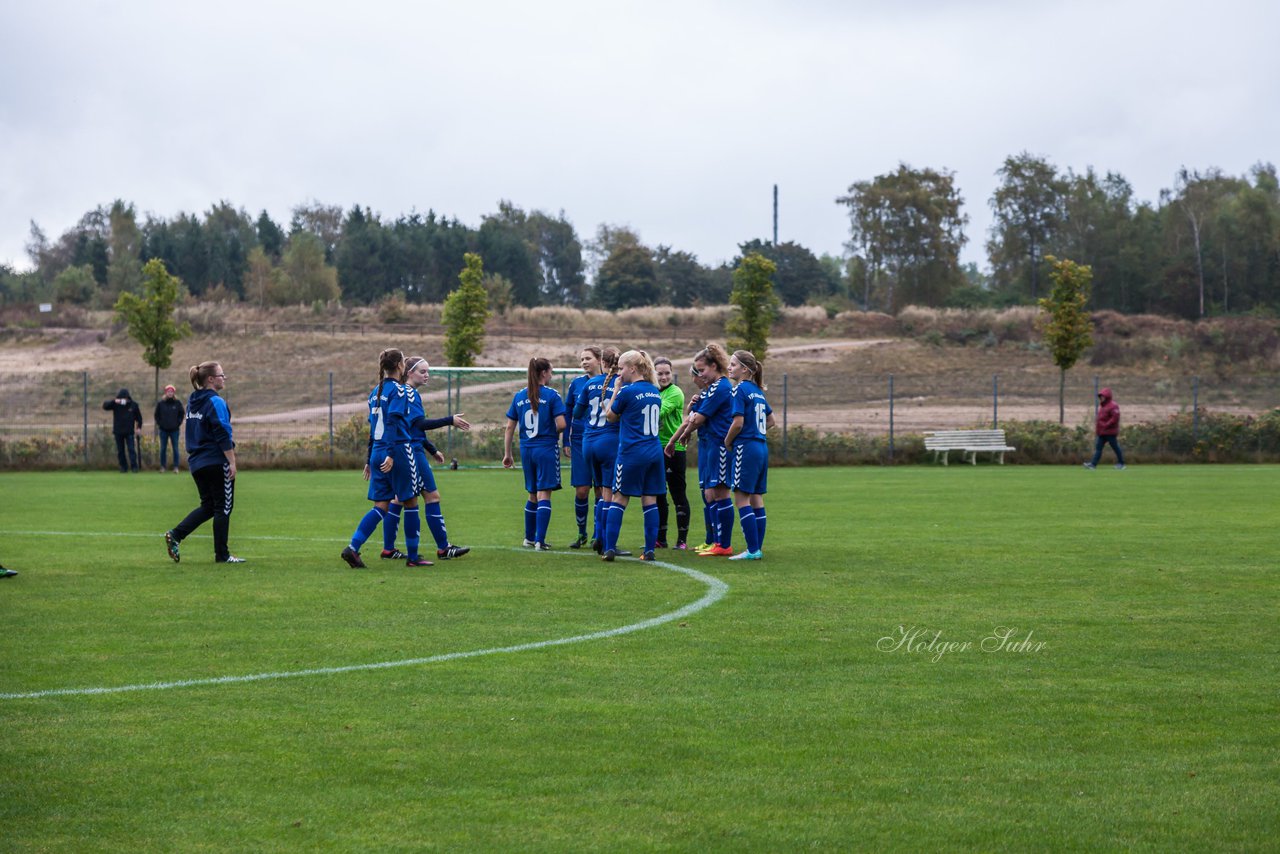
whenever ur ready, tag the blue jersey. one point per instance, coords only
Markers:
(593, 398)
(750, 403)
(573, 427)
(208, 430)
(413, 411)
(717, 407)
(637, 406)
(388, 417)
(536, 429)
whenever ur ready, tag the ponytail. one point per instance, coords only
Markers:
(748, 360)
(714, 354)
(200, 374)
(536, 367)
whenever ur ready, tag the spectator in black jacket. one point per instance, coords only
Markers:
(170, 410)
(127, 427)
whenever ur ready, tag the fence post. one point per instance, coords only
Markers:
(784, 416)
(1195, 409)
(448, 394)
(890, 417)
(85, 400)
(995, 401)
(331, 419)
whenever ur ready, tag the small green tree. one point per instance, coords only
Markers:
(1064, 321)
(464, 314)
(150, 317)
(756, 305)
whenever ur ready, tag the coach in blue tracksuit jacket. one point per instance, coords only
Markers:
(211, 458)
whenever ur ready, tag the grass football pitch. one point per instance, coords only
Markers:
(986, 658)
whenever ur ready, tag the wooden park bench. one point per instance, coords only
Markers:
(969, 442)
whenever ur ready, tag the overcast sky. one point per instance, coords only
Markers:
(674, 118)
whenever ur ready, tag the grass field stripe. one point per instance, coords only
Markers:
(161, 535)
(716, 590)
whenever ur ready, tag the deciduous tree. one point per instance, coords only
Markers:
(1064, 319)
(149, 317)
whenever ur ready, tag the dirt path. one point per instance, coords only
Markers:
(821, 351)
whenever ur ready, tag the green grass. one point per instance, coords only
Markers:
(769, 721)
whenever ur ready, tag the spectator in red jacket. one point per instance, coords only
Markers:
(1107, 428)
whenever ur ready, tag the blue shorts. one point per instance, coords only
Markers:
(751, 467)
(401, 482)
(713, 465)
(600, 458)
(579, 472)
(640, 477)
(541, 465)
(426, 479)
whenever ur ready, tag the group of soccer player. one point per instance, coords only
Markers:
(613, 423)
(623, 426)
(396, 466)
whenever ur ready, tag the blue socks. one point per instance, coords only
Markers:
(365, 529)
(724, 522)
(580, 506)
(650, 527)
(435, 522)
(543, 517)
(612, 524)
(750, 531)
(761, 519)
(602, 509)
(530, 521)
(390, 526)
(412, 528)
(709, 519)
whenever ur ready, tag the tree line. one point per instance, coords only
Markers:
(1210, 244)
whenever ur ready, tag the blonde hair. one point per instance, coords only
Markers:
(201, 373)
(639, 359)
(748, 360)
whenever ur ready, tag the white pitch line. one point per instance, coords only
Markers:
(716, 590)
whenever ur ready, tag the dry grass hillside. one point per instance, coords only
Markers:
(945, 364)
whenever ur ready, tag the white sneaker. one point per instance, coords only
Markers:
(747, 556)
(528, 544)
(1120, 466)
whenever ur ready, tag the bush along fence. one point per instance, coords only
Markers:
(1190, 437)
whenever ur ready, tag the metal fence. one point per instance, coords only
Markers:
(59, 421)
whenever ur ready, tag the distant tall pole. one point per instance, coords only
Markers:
(775, 214)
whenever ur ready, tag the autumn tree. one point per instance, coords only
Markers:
(1064, 319)
(149, 317)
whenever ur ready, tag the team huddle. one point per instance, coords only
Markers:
(613, 427)
(622, 426)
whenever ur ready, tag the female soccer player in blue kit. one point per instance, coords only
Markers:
(634, 406)
(537, 411)
(391, 469)
(575, 424)
(600, 439)
(711, 417)
(749, 451)
(417, 372)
